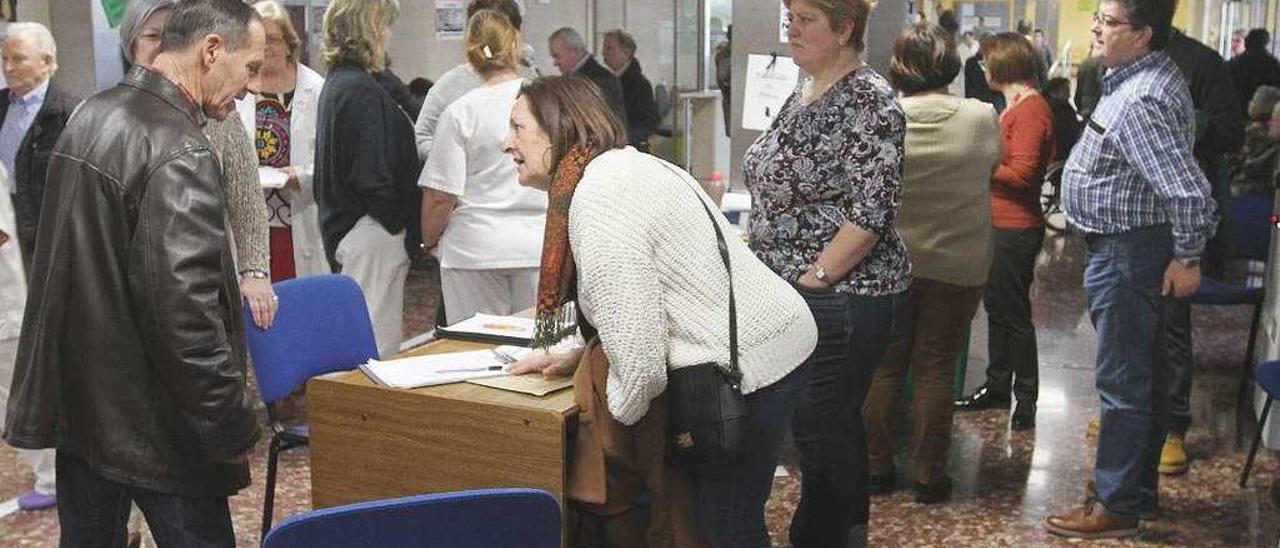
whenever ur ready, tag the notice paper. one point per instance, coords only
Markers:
(771, 79)
(435, 369)
(270, 177)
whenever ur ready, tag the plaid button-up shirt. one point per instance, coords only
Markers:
(1133, 166)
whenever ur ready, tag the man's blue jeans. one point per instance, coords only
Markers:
(1123, 279)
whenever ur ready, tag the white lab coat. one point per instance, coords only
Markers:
(308, 247)
(13, 283)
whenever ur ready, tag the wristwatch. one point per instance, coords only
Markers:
(1193, 262)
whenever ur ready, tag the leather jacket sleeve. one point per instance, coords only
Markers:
(185, 302)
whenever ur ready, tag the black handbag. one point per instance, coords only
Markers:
(708, 411)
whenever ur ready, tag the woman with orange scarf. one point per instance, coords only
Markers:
(628, 239)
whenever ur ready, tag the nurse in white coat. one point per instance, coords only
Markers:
(281, 120)
(484, 227)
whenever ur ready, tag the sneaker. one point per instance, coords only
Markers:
(1173, 457)
(36, 501)
(1092, 521)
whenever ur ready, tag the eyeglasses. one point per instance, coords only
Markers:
(1108, 21)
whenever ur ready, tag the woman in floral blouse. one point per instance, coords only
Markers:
(825, 181)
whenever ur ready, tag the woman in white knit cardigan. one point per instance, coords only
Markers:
(632, 234)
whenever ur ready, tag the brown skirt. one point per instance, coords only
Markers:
(612, 465)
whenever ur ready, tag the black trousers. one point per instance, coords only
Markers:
(1179, 366)
(93, 511)
(1011, 343)
(828, 427)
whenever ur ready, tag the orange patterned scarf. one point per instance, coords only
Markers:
(556, 287)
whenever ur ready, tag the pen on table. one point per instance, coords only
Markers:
(472, 369)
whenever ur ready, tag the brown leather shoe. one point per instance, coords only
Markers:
(1092, 521)
(1145, 514)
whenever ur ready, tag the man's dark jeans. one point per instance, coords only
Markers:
(853, 335)
(93, 511)
(1123, 278)
(1011, 339)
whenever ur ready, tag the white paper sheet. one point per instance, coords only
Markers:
(435, 369)
(270, 177)
(770, 80)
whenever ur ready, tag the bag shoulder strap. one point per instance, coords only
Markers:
(735, 375)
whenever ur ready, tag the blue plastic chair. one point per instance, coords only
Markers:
(1250, 218)
(322, 326)
(484, 518)
(1268, 378)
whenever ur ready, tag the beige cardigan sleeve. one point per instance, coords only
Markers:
(245, 202)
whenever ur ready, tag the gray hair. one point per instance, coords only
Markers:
(192, 20)
(570, 38)
(134, 16)
(39, 37)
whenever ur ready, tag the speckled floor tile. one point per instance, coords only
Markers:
(1005, 482)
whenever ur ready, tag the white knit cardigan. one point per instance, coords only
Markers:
(651, 280)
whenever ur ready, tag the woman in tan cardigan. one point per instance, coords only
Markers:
(140, 31)
(952, 147)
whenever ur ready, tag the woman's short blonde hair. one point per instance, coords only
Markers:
(492, 42)
(272, 12)
(353, 32)
(844, 12)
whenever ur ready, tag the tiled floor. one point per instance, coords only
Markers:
(1005, 482)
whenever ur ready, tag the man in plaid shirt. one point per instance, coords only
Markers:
(1133, 187)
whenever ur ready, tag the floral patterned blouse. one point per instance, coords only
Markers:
(837, 159)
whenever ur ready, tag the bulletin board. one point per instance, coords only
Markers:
(985, 16)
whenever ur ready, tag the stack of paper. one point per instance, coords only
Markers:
(435, 369)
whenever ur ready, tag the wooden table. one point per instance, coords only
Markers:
(370, 442)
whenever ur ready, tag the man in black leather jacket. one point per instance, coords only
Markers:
(131, 360)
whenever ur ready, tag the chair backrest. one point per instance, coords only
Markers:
(1267, 374)
(1251, 222)
(484, 518)
(322, 325)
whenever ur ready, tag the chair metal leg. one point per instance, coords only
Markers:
(1247, 368)
(1257, 439)
(268, 504)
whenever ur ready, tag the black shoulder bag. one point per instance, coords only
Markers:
(708, 410)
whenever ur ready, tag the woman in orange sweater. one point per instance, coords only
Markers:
(1026, 128)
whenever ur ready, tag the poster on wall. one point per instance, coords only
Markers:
(782, 23)
(770, 80)
(451, 19)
